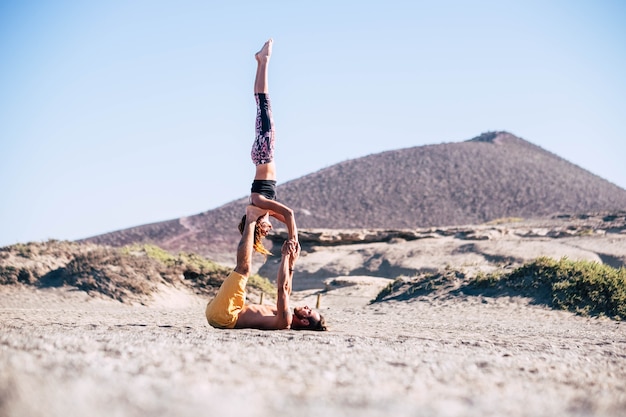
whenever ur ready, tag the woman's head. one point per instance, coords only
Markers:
(262, 228)
(264, 225)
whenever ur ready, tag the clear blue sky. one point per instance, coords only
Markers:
(115, 114)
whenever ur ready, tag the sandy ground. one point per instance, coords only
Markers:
(63, 353)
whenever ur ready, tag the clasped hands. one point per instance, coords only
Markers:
(291, 248)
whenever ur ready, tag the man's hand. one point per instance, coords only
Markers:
(291, 247)
(288, 248)
(291, 250)
(294, 255)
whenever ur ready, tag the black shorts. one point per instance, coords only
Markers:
(266, 188)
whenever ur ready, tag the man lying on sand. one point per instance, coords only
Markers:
(228, 309)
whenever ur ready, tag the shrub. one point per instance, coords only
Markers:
(127, 273)
(8, 275)
(584, 287)
(388, 290)
(203, 275)
(110, 272)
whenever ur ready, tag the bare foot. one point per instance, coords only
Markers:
(265, 52)
(254, 212)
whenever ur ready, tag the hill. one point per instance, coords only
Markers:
(495, 175)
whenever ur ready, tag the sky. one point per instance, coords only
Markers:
(118, 113)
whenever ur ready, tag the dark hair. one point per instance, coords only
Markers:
(315, 325)
(258, 245)
(318, 325)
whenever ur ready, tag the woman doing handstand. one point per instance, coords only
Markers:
(263, 192)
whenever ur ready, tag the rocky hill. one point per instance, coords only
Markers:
(495, 175)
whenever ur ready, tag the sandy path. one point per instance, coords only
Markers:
(63, 354)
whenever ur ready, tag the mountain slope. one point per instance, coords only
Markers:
(492, 176)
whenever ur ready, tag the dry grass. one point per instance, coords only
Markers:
(130, 273)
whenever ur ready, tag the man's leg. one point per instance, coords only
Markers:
(223, 310)
(246, 243)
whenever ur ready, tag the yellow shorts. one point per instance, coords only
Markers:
(222, 311)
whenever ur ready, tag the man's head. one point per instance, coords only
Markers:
(306, 319)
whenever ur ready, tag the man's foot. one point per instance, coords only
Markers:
(264, 54)
(254, 212)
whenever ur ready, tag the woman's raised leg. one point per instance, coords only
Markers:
(263, 147)
(263, 60)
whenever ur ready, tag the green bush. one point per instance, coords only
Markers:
(584, 287)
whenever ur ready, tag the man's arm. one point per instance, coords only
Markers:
(283, 282)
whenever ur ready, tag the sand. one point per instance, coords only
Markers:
(64, 353)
